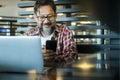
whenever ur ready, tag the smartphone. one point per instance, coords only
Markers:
(51, 45)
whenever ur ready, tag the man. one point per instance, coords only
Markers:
(45, 15)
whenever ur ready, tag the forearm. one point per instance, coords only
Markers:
(66, 58)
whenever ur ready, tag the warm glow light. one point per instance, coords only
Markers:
(31, 72)
(59, 78)
(29, 9)
(30, 16)
(73, 23)
(85, 22)
(79, 58)
(85, 66)
(0, 17)
(60, 14)
(83, 16)
(55, 0)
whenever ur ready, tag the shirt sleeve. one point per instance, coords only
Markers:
(32, 32)
(66, 50)
(29, 32)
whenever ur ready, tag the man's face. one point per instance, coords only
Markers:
(46, 17)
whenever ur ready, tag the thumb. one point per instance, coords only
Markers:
(43, 47)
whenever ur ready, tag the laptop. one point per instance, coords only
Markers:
(21, 54)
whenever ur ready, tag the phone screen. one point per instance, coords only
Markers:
(51, 45)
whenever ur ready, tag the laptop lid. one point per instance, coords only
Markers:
(21, 54)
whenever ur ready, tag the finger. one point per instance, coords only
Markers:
(49, 51)
(43, 47)
(43, 51)
(49, 58)
(48, 54)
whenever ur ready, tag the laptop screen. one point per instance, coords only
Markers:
(21, 54)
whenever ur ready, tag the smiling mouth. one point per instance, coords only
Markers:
(47, 23)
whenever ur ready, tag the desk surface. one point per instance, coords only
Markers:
(61, 74)
(80, 70)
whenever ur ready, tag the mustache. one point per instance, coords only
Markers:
(46, 23)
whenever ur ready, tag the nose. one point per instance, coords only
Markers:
(46, 20)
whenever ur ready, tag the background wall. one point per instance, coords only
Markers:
(105, 10)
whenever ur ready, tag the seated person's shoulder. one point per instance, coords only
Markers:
(31, 31)
(62, 26)
(65, 28)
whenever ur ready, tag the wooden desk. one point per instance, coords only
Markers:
(63, 73)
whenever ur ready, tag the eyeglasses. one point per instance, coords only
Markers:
(49, 17)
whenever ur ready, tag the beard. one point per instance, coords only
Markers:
(49, 30)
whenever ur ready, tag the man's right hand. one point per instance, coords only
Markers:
(48, 54)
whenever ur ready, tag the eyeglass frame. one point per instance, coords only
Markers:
(42, 18)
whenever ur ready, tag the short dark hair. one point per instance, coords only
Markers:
(39, 3)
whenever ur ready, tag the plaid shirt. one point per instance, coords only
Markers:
(66, 46)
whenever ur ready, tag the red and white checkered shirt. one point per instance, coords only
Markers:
(66, 47)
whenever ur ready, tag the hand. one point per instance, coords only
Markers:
(48, 54)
